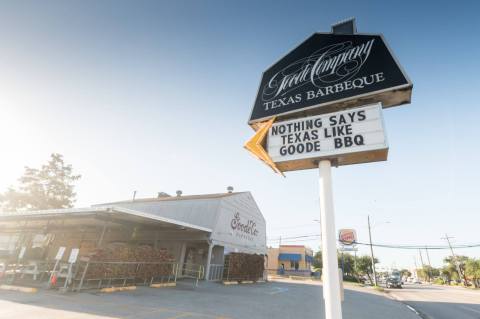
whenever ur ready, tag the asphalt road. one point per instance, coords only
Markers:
(209, 301)
(439, 302)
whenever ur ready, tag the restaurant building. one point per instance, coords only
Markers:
(195, 229)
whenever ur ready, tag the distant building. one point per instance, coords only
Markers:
(290, 260)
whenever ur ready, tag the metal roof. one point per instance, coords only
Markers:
(112, 211)
(173, 198)
(199, 210)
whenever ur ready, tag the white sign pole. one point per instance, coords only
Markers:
(331, 283)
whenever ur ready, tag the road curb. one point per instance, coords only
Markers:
(163, 285)
(117, 289)
(230, 283)
(243, 282)
(19, 288)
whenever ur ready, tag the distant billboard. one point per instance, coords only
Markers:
(347, 236)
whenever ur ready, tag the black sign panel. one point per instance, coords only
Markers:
(331, 69)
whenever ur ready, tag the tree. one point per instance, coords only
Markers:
(317, 260)
(364, 266)
(452, 267)
(405, 273)
(49, 187)
(472, 270)
(348, 264)
(449, 273)
(427, 273)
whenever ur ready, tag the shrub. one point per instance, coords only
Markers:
(439, 281)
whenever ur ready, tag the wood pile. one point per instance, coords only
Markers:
(241, 267)
(123, 261)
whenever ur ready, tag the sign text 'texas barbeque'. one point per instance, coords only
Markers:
(327, 68)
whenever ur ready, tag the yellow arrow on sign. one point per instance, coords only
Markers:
(255, 145)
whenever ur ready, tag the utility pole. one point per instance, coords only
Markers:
(371, 252)
(455, 259)
(430, 269)
(428, 257)
(423, 265)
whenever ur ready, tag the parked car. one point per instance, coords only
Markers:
(393, 282)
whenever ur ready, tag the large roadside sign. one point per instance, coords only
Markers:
(321, 106)
(330, 72)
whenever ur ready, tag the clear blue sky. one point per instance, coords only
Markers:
(155, 96)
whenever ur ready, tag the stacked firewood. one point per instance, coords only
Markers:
(124, 261)
(241, 266)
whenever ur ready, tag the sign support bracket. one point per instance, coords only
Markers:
(330, 273)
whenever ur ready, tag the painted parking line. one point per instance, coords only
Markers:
(169, 313)
(196, 316)
(181, 315)
(278, 290)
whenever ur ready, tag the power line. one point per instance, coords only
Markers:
(296, 240)
(295, 226)
(393, 246)
(419, 246)
(283, 238)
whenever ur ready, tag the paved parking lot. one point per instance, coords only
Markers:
(209, 300)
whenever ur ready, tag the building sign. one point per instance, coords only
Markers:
(73, 255)
(352, 136)
(243, 229)
(328, 72)
(347, 236)
(60, 252)
(21, 254)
